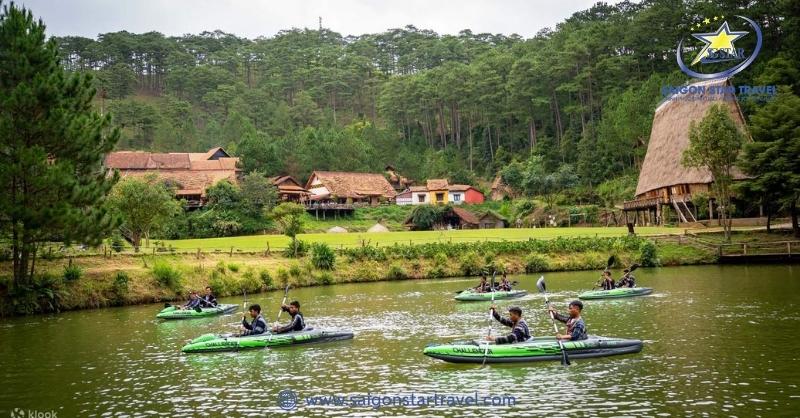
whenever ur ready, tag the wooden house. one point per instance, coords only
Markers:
(189, 173)
(491, 220)
(334, 187)
(290, 189)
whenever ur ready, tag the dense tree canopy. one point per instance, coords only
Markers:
(463, 105)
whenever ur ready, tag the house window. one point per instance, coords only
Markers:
(456, 198)
(421, 198)
(439, 197)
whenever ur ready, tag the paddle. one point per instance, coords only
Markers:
(169, 305)
(543, 289)
(491, 317)
(244, 302)
(280, 311)
(633, 267)
(514, 283)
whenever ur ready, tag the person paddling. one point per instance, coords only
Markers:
(258, 325)
(519, 328)
(606, 282)
(296, 324)
(627, 279)
(208, 300)
(483, 286)
(504, 285)
(194, 301)
(576, 328)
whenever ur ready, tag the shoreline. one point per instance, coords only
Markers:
(135, 279)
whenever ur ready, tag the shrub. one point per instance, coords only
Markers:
(72, 273)
(283, 276)
(250, 282)
(396, 272)
(648, 256)
(266, 279)
(167, 276)
(120, 285)
(322, 256)
(43, 294)
(117, 243)
(470, 264)
(535, 263)
(325, 278)
(218, 284)
(233, 267)
(302, 249)
(221, 267)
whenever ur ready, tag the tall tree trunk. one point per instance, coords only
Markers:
(491, 147)
(442, 128)
(795, 224)
(469, 126)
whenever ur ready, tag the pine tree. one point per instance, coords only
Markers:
(52, 145)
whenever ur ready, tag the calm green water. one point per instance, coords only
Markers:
(719, 341)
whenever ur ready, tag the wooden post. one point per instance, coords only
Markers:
(268, 250)
(789, 247)
(198, 253)
(744, 248)
(231, 252)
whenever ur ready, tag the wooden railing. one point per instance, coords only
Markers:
(744, 249)
(647, 202)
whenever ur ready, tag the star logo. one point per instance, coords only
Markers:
(721, 40)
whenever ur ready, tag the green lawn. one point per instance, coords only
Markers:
(259, 242)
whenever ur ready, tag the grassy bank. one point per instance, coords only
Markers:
(260, 242)
(122, 279)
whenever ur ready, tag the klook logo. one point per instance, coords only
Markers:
(718, 47)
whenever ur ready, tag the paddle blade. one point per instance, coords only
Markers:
(564, 359)
(167, 305)
(197, 309)
(610, 262)
(540, 285)
(634, 266)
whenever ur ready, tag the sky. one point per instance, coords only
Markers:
(254, 18)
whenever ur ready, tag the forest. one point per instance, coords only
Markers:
(576, 99)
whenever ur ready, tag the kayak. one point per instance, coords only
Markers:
(175, 313)
(470, 295)
(213, 342)
(622, 292)
(535, 349)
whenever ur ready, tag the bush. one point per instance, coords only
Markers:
(233, 267)
(120, 285)
(72, 273)
(325, 278)
(250, 282)
(266, 279)
(322, 256)
(470, 264)
(648, 256)
(302, 249)
(218, 283)
(396, 272)
(44, 294)
(221, 267)
(535, 263)
(117, 243)
(167, 276)
(283, 276)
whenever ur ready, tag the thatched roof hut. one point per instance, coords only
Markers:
(336, 230)
(663, 179)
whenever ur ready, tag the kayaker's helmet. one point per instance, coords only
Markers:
(576, 303)
(515, 310)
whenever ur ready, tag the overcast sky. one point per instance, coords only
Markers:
(253, 18)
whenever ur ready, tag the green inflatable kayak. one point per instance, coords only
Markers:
(213, 342)
(470, 295)
(535, 349)
(623, 292)
(175, 313)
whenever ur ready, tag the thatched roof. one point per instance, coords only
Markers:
(336, 230)
(437, 184)
(465, 215)
(378, 228)
(288, 185)
(669, 137)
(353, 185)
(189, 173)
